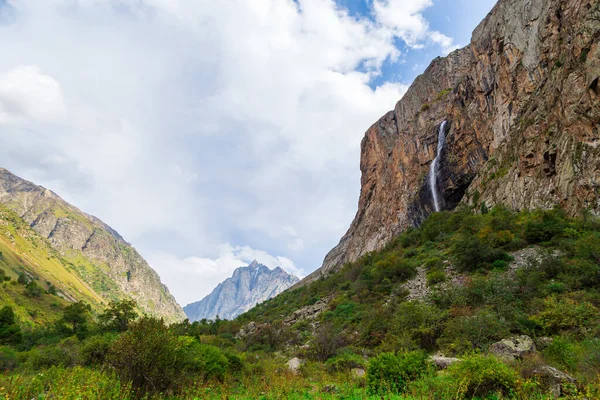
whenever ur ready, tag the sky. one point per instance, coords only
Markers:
(211, 133)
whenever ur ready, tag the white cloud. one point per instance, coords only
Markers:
(404, 20)
(187, 124)
(192, 278)
(27, 94)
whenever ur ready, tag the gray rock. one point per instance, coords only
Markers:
(543, 342)
(330, 389)
(442, 362)
(358, 372)
(553, 379)
(247, 287)
(513, 348)
(294, 365)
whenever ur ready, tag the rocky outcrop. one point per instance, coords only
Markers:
(556, 381)
(522, 105)
(514, 348)
(109, 265)
(246, 288)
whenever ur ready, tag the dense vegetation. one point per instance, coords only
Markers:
(478, 293)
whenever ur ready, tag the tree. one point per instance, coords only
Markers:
(10, 333)
(1, 256)
(76, 315)
(119, 315)
(32, 289)
(22, 280)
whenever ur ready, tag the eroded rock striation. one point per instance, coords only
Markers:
(522, 111)
(109, 265)
(247, 287)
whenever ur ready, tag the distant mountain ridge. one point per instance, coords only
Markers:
(247, 287)
(101, 265)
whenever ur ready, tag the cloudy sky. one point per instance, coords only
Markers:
(210, 133)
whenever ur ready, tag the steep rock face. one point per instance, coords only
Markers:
(522, 105)
(99, 255)
(246, 288)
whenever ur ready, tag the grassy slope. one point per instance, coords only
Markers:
(556, 295)
(24, 251)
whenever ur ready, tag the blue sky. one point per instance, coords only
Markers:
(212, 133)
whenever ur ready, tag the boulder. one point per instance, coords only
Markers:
(442, 362)
(294, 365)
(554, 379)
(358, 372)
(513, 348)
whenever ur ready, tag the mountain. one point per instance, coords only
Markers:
(511, 119)
(247, 287)
(56, 244)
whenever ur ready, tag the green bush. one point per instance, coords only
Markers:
(471, 253)
(10, 332)
(8, 358)
(481, 376)
(345, 362)
(435, 276)
(95, 349)
(64, 354)
(544, 226)
(418, 325)
(562, 314)
(32, 289)
(464, 333)
(207, 361)
(389, 373)
(561, 353)
(148, 356)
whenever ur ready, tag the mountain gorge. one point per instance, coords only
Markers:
(247, 287)
(79, 254)
(521, 106)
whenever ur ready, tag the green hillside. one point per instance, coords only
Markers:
(454, 287)
(25, 253)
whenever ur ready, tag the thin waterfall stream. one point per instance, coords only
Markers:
(434, 167)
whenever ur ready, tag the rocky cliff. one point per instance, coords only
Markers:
(247, 287)
(522, 106)
(109, 266)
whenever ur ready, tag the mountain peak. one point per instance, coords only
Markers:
(242, 291)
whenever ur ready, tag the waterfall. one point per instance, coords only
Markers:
(433, 169)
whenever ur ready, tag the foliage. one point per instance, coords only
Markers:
(119, 315)
(148, 356)
(481, 376)
(389, 372)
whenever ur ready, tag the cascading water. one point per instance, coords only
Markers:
(433, 169)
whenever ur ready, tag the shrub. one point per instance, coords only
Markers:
(482, 376)
(544, 226)
(203, 359)
(10, 332)
(561, 353)
(32, 289)
(389, 372)
(463, 333)
(418, 324)
(470, 253)
(65, 354)
(147, 356)
(435, 276)
(8, 358)
(119, 315)
(95, 349)
(562, 314)
(345, 362)
(500, 265)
